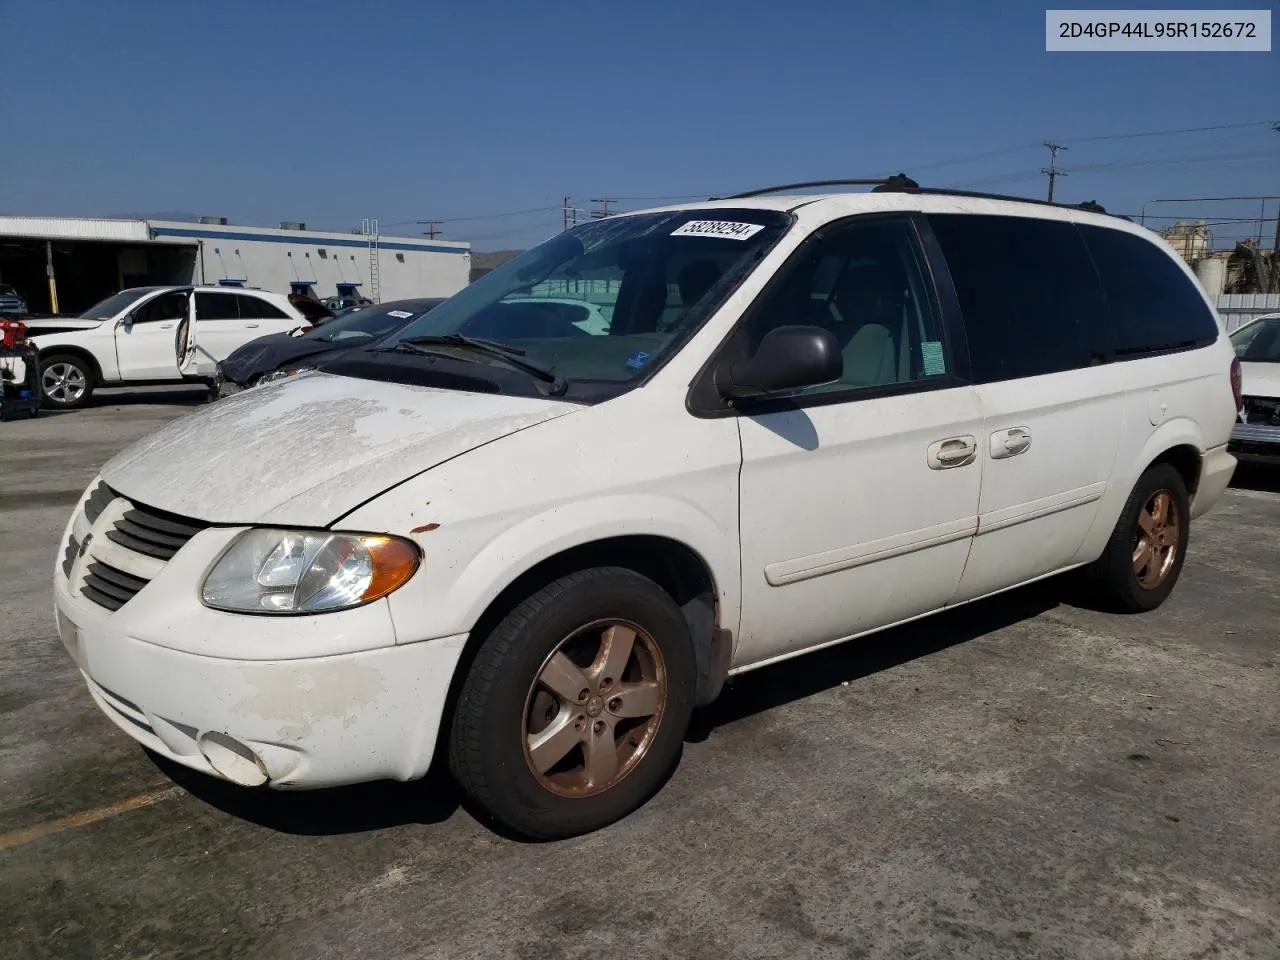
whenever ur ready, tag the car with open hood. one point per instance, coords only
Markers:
(532, 549)
(283, 354)
(1256, 437)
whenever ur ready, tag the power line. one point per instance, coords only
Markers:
(486, 216)
(1170, 133)
(1168, 161)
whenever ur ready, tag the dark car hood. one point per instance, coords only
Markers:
(268, 353)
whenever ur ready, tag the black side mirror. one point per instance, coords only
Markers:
(789, 358)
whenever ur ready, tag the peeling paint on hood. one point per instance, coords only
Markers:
(306, 450)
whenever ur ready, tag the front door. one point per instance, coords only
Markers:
(147, 341)
(859, 499)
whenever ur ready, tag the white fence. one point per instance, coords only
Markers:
(1237, 309)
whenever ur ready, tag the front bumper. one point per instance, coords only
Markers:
(289, 702)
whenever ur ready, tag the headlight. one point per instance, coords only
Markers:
(307, 571)
(281, 374)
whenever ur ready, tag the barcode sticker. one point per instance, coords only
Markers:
(718, 228)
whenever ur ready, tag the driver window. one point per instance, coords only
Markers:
(167, 306)
(865, 283)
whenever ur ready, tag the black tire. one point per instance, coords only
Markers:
(1113, 576)
(63, 397)
(489, 752)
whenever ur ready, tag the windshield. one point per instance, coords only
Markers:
(368, 323)
(607, 302)
(1258, 342)
(108, 308)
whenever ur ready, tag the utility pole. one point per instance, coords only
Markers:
(1052, 171)
(431, 232)
(604, 207)
(570, 215)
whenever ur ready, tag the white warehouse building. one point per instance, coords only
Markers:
(66, 264)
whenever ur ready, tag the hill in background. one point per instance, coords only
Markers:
(484, 261)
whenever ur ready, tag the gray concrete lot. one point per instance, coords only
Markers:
(1025, 777)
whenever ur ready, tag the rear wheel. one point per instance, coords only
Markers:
(1143, 559)
(66, 381)
(575, 708)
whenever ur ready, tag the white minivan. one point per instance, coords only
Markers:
(150, 336)
(531, 550)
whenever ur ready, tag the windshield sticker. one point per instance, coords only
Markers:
(931, 354)
(718, 228)
(637, 360)
(399, 314)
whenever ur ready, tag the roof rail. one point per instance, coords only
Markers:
(898, 181)
(1091, 205)
(901, 183)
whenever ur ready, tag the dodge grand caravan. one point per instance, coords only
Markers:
(531, 550)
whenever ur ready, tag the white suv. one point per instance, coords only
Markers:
(152, 335)
(534, 554)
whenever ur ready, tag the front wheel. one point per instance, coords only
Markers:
(66, 381)
(576, 705)
(1144, 556)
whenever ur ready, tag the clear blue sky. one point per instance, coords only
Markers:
(328, 112)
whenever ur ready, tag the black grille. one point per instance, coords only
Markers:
(1262, 411)
(97, 502)
(108, 587)
(153, 532)
(69, 556)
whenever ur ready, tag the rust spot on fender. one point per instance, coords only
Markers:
(425, 528)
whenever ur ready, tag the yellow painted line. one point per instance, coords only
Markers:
(74, 821)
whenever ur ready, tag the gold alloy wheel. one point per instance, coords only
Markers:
(1155, 543)
(594, 708)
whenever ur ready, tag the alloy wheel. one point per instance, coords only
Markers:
(593, 710)
(63, 383)
(1155, 543)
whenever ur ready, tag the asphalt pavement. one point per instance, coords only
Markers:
(1024, 777)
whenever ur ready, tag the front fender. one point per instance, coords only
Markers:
(467, 569)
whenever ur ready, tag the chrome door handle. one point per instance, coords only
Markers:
(166, 326)
(952, 452)
(251, 326)
(1010, 443)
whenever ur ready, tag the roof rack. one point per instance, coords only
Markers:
(898, 181)
(1091, 205)
(901, 183)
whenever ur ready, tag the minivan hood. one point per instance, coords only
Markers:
(306, 450)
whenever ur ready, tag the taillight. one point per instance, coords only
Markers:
(1237, 383)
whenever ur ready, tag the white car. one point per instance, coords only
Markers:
(1256, 437)
(152, 335)
(539, 553)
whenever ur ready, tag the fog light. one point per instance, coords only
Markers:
(233, 760)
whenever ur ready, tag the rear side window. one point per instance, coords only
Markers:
(1029, 295)
(255, 308)
(216, 306)
(1155, 306)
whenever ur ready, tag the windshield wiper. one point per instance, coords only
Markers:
(505, 352)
